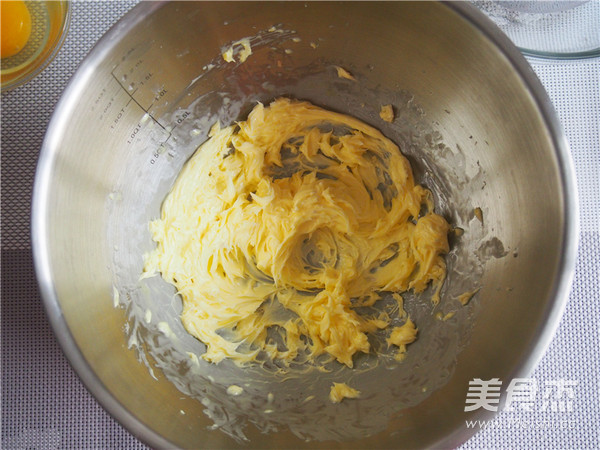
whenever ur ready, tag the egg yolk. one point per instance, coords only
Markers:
(15, 27)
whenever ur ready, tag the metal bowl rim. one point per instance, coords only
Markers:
(42, 258)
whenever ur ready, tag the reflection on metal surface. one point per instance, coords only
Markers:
(470, 117)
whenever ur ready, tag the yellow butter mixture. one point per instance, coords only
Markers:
(340, 391)
(283, 229)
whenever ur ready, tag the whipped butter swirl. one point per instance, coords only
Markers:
(282, 230)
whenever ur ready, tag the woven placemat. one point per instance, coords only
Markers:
(44, 404)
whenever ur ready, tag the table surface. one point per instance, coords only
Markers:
(45, 405)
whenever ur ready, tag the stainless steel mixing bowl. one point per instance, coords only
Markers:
(470, 115)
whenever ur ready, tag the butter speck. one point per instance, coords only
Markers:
(115, 297)
(340, 391)
(243, 53)
(235, 390)
(194, 359)
(165, 329)
(387, 113)
(465, 298)
(478, 213)
(343, 73)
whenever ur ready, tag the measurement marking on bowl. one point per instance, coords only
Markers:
(116, 106)
(146, 97)
(158, 96)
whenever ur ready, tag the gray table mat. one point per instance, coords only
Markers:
(44, 405)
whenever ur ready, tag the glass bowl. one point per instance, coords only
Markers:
(49, 24)
(553, 30)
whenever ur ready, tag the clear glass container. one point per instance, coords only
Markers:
(565, 29)
(49, 25)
